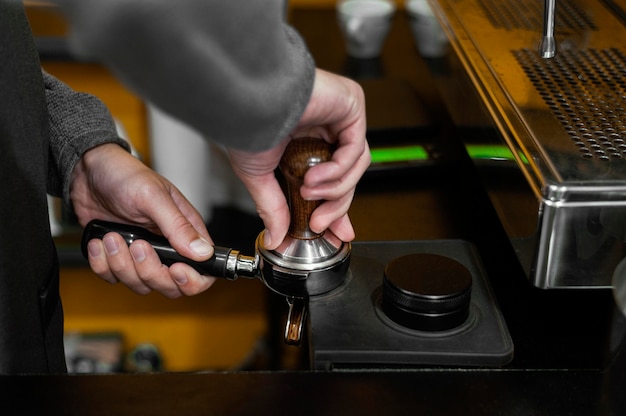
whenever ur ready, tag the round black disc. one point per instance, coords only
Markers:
(426, 292)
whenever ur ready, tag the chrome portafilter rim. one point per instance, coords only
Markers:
(303, 268)
(305, 254)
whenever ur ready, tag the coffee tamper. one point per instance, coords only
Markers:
(305, 264)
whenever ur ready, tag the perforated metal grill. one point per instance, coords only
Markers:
(586, 92)
(513, 14)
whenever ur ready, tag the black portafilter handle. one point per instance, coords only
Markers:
(226, 262)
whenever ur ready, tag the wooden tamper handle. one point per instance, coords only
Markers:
(300, 155)
(306, 263)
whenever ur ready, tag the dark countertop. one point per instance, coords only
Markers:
(568, 357)
(369, 393)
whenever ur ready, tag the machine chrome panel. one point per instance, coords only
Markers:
(564, 119)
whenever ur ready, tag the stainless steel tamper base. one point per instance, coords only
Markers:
(304, 268)
(298, 269)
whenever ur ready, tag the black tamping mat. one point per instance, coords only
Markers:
(351, 327)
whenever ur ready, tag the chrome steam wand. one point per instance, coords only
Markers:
(547, 48)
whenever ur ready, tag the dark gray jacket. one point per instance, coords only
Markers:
(44, 129)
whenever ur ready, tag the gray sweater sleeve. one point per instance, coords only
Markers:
(78, 122)
(233, 70)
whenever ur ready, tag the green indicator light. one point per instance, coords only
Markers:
(492, 152)
(419, 153)
(398, 154)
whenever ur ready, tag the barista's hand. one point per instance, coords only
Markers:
(335, 113)
(110, 184)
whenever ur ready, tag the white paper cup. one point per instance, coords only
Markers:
(429, 37)
(365, 25)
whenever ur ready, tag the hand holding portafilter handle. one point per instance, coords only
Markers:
(226, 262)
(302, 252)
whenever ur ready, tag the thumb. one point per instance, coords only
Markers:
(182, 225)
(271, 206)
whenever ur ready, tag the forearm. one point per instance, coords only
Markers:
(78, 122)
(231, 69)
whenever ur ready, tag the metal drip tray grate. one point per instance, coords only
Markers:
(566, 115)
(512, 14)
(586, 92)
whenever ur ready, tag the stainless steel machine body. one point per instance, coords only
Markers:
(564, 120)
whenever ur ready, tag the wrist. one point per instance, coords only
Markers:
(98, 153)
(79, 178)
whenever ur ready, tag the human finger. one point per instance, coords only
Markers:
(121, 264)
(180, 223)
(272, 207)
(98, 261)
(343, 228)
(188, 280)
(328, 213)
(151, 271)
(339, 182)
